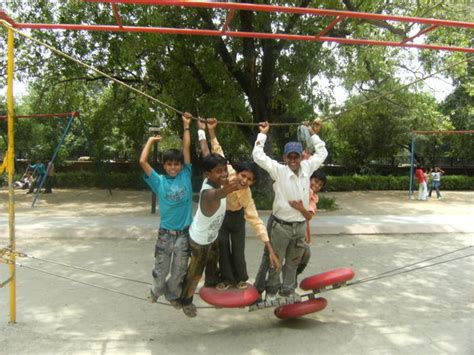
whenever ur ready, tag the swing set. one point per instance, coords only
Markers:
(413, 149)
(42, 182)
(230, 9)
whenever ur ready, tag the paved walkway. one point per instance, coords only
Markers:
(424, 311)
(91, 213)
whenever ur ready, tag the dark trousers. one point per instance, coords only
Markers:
(232, 263)
(202, 257)
(48, 185)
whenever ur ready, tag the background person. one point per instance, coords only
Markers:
(435, 181)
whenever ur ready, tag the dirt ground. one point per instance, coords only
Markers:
(65, 310)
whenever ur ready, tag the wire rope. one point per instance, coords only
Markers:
(383, 275)
(413, 264)
(407, 271)
(82, 268)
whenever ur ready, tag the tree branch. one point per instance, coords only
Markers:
(382, 24)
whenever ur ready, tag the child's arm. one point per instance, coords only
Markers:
(215, 146)
(252, 217)
(211, 199)
(202, 138)
(145, 152)
(298, 205)
(186, 138)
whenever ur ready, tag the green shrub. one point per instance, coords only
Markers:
(378, 182)
(263, 198)
(263, 193)
(327, 203)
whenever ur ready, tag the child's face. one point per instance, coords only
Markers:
(218, 175)
(172, 167)
(316, 185)
(293, 160)
(246, 178)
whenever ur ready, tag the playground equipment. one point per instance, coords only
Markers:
(413, 149)
(71, 116)
(11, 26)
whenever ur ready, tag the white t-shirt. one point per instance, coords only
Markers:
(436, 176)
(203, 229)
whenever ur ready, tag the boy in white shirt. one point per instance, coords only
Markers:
(291, 187)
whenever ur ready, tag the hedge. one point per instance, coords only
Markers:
(133, 180)
(263, 195)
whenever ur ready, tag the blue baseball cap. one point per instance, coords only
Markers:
(293, 147)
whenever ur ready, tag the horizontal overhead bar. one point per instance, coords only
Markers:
(293, 10)
(218, 33)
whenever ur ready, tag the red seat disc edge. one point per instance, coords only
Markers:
(296, 310)
(327, 278)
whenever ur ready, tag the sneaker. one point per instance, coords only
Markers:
(152, 297)
(176, 303)
(242, 285)
(270, 297)
(291, 296)
(190, 310)
(222, 286)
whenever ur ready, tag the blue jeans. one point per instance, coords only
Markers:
(435, 185)
(171, 252)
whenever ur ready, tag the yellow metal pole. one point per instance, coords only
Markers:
(11, 170)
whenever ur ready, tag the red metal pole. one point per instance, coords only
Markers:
(116, 14)
(330, 26)
(196, 32)
(427, 29)
(295, 10)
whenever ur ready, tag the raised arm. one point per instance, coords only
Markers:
(320, 151)
(258, 154)
(145, 152)
(215, 146)
(186, 138)
(202, 138)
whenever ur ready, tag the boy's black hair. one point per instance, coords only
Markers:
(321, 176)
(212, 160)
(173, 155)
(246, 166)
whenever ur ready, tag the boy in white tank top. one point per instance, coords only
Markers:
(205, 226)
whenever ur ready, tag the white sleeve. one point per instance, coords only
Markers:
(320, 154)
(262, 159)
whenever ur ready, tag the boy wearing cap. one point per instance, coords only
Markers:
(291, 187)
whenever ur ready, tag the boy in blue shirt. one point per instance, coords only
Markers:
(174, 191)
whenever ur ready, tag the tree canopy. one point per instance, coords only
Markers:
(241, 79)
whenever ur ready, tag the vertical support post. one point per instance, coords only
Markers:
(412, 158)
(11, 170)
(43, 180)
(153, 195)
